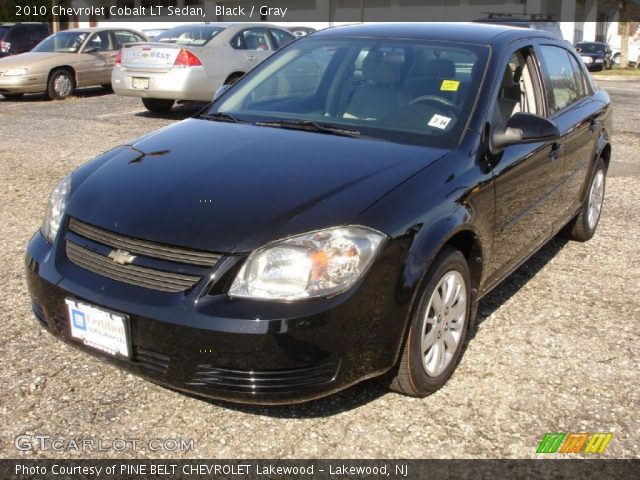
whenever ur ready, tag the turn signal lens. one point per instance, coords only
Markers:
(119, 57)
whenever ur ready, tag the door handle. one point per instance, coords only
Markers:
(251, 58)
(556, 150)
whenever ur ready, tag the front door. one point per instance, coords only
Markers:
(96, 59)
(527, 177)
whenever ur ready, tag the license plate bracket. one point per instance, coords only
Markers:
(140, 83)
(99, 328)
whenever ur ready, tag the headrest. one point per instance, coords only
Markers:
(376, 67)
(441, 68)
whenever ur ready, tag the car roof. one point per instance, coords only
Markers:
(98, 29)
(478, 33)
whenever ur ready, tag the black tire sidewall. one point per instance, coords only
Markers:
(50, 88)
(449, 259)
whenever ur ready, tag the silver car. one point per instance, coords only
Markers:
(191, 62)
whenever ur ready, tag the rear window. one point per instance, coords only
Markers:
(189, 35)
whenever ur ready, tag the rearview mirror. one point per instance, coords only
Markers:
(525, 128)
(220, 91)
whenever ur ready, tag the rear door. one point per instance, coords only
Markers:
(255, 44)
(96, 59)
(576, 115)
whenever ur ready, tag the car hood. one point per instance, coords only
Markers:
(231, 188)
(33, 59)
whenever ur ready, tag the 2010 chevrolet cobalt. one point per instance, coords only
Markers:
(335, 215)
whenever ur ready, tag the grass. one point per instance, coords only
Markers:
(619, 72)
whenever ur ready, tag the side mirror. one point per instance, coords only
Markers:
(220, 91)
(525, 128)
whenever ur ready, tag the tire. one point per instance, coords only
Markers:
(61, 84)
(13, 96)
(157, 105)
(584, 225)
(233, 78)
(421, 371)
(616, 59)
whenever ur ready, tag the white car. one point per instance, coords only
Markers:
(192, 61)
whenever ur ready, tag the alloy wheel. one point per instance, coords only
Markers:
(444, 322)
(596, 199)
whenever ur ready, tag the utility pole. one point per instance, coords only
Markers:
(55, 21)
(623, 30)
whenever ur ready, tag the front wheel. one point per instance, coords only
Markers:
(438, 327)
(60, 85)
(157, 105)
(584, 225)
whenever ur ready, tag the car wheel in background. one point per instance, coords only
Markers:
(61, 84)
(157, 105)
(584, 225)
(438, 327)
(13, 96)
(233, 78)
(616, 59)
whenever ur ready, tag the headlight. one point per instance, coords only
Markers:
(316, 264)
(55, 209)
(14, 72)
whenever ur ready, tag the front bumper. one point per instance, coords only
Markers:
(31, 83)
(237, 350)
(192, 84)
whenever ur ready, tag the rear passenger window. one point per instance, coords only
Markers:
(281, 38)
(252, 39)
(124, 36)
(563, 86)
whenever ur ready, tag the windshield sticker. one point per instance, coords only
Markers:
(450, 86)
(438, 121)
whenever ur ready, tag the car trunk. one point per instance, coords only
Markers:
(150, 57)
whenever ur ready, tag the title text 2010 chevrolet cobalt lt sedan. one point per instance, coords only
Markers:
(334, 215)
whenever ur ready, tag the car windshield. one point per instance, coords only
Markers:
(590, 48)
(189, 35)
(404, 91)
(62, 42)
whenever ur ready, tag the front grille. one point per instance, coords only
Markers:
(142, 247)
(131, 274)
(166, 273)
(263, 381)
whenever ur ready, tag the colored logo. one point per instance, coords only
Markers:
(574, 442)
(79, 320)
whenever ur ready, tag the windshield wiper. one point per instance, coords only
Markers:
(220, 117)
(311, 126)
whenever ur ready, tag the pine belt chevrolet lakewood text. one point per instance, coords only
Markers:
(334, 215)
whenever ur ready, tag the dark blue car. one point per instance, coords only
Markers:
(335, 215)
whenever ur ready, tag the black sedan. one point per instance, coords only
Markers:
(335, 215)
(595, 55)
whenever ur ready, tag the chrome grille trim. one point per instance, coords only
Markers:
(142, 247)
(131, 274)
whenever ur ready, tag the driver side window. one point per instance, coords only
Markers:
(517, 92)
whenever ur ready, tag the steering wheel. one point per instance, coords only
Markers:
(436, 101)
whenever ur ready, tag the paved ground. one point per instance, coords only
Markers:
(556, 348)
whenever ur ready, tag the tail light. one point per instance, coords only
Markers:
(5, 47)
(119, 57)
(186, 59)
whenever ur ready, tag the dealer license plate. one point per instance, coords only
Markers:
(140, 83)
(99, 329)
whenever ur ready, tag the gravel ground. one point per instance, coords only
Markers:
(556, 348)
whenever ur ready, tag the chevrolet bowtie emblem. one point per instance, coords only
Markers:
(121, 257)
